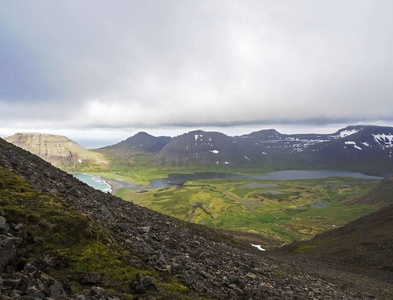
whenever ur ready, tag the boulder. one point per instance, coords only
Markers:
(8, 249)
(4, 226)
(142, 283)
(56, 291)
(91, 278)
(32, 291)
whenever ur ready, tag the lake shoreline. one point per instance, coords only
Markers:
(283, 175)
(115, 185)
(178, 180)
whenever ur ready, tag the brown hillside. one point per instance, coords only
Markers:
(59, 150)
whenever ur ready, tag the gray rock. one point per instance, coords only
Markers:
(32, 291)
(142, 283)
(4, 226)
(91, 278)
(145, 229)
(97, 291)
(106, 213)
(56, 291)
(8, 250)
(1, 283)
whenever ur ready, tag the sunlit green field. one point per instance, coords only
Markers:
(276, 211)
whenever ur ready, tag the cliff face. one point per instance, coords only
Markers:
(79, 243)
(58, 150)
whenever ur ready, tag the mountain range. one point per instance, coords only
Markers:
(358, 148)
(364, 148)
(61, 239)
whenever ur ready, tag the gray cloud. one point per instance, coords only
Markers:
(86, 64)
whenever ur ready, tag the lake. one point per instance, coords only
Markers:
(181, 179)
(94, 181)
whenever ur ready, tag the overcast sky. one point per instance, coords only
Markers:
(111, 68)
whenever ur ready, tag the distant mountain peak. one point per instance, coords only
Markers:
(347, 131)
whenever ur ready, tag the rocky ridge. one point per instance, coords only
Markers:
(210, 265)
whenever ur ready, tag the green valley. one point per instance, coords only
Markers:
(266, 212)
(262, 212)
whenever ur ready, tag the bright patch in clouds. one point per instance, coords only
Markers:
(133, 64)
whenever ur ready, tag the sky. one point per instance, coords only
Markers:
(100, 71)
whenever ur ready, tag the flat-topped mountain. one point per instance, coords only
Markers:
(61, 239)
(58, 150)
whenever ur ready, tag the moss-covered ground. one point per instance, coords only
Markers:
(53, 227)
(280, 211)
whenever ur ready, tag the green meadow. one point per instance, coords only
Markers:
(264, 212)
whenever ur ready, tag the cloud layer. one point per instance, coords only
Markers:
(126, 64)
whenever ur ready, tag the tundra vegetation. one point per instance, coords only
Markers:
(262, 212)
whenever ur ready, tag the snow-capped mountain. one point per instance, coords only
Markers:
(366, 148)
(350, 138)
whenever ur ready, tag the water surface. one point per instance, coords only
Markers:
(181, 179)
(94, 181)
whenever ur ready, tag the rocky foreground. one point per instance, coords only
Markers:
(203, 263)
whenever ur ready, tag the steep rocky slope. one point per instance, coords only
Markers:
(58, 150)
(78, 243)
(364, 245)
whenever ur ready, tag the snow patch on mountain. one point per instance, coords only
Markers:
(196, 136)
(214, 151)
(384, 139)
(345, 133)
(354, 144)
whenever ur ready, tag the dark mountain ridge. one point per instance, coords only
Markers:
(205, 148)
(358, 148)
(108, 237)
(141, 142)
